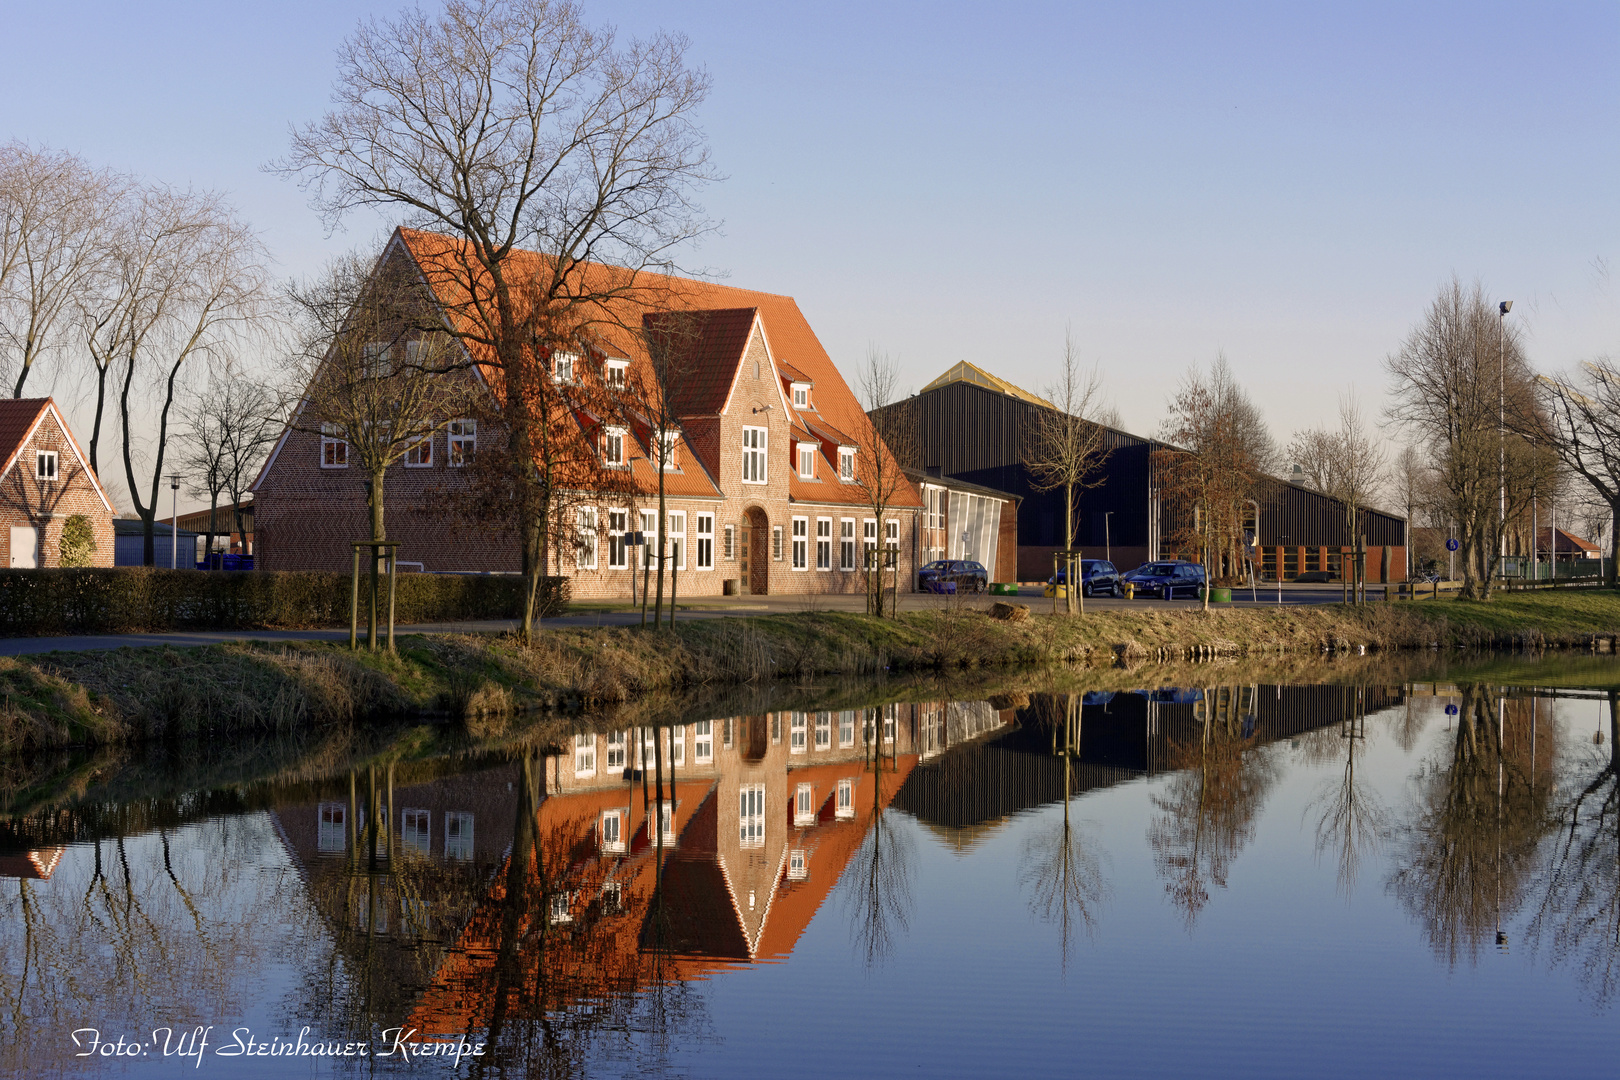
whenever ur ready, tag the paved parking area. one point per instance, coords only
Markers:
(610, 613)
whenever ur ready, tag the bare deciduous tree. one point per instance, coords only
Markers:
(228, 425)
(1581, 414)
(511, 124)
(55, 211)
(1347, 465)
(1065, 449)
(882, 443)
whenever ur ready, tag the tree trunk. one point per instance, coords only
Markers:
(663, 530)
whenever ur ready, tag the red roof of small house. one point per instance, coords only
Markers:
(1567, 544)
(20, 418)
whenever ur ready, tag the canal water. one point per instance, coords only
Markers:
(1411, 875)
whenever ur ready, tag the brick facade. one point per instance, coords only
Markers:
(32, 500)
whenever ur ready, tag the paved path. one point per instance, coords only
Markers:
(609, 614)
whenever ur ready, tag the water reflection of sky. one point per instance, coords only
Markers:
(1229, 934)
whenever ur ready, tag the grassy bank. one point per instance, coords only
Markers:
(132, 695)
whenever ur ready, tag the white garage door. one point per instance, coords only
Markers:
(24, 547)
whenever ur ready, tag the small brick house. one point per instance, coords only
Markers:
(45, 480)
(763, 491)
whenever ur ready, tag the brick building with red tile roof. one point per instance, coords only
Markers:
(764, 488)
(45, 479)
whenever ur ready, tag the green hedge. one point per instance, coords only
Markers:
(125, 599)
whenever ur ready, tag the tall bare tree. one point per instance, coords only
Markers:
(1581, 419)
(1348, 465)
(228, 424)
(1461, 386)
(55, 211)
(202, 290)
(886, 440)
(1065, 449)
(511, 124)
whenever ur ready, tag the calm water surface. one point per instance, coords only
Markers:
(1409, 879)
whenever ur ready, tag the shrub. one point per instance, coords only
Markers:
(78, 541)
(133, 599)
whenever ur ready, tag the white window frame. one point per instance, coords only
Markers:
(824, 543)
(798, 733)
(564, 366)
(891, 721)
(676, 745)
(677, 538)
(751, 815)
(46, 465)
(798, 865)
(332, 439)
(846, 543)
(459, 846)
(703, 742)
(845, 806)
(416, 829)
(331, 828)
(618, 550)
(585, 539)
(615, 373)
(612, 832)
(776, 543)
(891, 533)
(668, 443)
(869, 538)
(801, 543)
(846, 728)
(807, 461)
(649, 536)
(666, 820)
(804, 805)
(584, 755)
(614, 454)
(756, 447)
(461, 442)
(616, 743)
(801, 395)
(729, 548)
(846, 464)
(823, 731)
(559, 905)
(419, 455)
(705, 541)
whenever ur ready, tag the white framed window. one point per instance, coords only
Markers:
(798, 866)
(845, 806)
(334, 447)
(374, 359)
(823, 543)
(801, 543)
(562, 366)
(804, 805)
(559, 908)
(585, 755)
(458, 835)
(615, 750)
(677, 540)
(649, 536)
(703, 742)
(846, 728)
(868, 540)
(801, 395)
(613, 448)
(705, 541)
(891, 719)
(729, 548)
(331, 837)
(612, 897)
(419, 455)
(614, 372)
(613, 831)
(846, 544)
(45, 464)
(776, 542)
(462, 442)
(807, 461)
(753, 456)
(891, 533)
(725, 729)
(668, 441)
(798, 731)
(846, 464)
(751, 815)
(666, 821)
(416, 830)
(585, 539)
(675, 746)
(823, 731)
(618, 550)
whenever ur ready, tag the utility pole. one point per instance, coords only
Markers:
(1501, 423)
(174, 521)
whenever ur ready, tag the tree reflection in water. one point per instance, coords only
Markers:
(1468, 854)
(1060, 865)
(1578, 916)
(877, 884)
(1352, 821)
(1207, 811)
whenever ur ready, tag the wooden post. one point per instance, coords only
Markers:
(354, 601)
(393, 568)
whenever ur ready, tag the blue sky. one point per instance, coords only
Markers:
(1288, 183)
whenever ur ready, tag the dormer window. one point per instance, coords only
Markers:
(614, 372)
(613, 448)
(846, 464)
(801, 395)
(562, 366)
(666, 449)
(807, 461)
(45, 464)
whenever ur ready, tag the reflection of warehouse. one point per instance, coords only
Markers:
(1122, 736)
(974, 426)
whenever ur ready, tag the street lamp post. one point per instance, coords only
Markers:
(174, 521)
(1501, 423)
(1108, 539)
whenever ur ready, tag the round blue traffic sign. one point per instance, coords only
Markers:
(1451, 710)
(1452, 545)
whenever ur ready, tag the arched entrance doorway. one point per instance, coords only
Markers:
(754, 551)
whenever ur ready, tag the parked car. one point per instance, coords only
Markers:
(1097, 578)
(1316, 577)
(1167, 579)
(953, 575)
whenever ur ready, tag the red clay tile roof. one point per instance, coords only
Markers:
(791, 373)
(17, 416)
(706, 347)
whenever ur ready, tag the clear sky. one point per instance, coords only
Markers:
(1288, 183)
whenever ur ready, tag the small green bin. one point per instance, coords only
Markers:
(1004, 588)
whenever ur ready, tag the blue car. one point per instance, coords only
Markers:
(953, 576)
(1097, 578)
(1167, 580)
